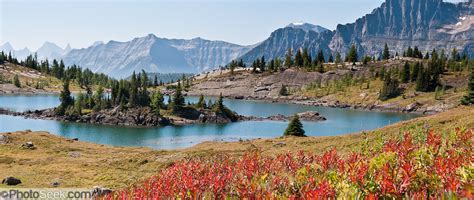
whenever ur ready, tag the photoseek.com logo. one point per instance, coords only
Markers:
(46, 193)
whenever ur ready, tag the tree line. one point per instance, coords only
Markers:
(84, 77)
(303, 59)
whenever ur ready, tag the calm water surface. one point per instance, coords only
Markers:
(339, 121)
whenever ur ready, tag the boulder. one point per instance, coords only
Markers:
(310, 116)
(99, 191)
(55, 184)
(28, 145)
(279, 144)
(412, 107)
(11, 181)
(4, 139)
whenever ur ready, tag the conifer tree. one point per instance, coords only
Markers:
(178, 99)
(289, 58)
(219, 105)
(306, 58)
(201, 103)
(352, 55)
(295, 128)
(338, 58)
(405, 78)
(386, 52)
(65, 99)
(16, 81)
(389, 89)
(320, 57)
(283, 91)
(262, 64)
(133, 100)
(321, 68)
(299, 59)
(468, 99)
(331, 59)
(155, 81)
(415, 71)
(157, 102)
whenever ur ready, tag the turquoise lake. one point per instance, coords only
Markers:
(339, 121)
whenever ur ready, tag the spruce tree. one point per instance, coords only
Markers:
(219, 105)
(201, 103)
(283, 91)
(320, 57)
(331, 59)
(306, 58)
(338, 58)
(321, 68)
(178, 99)
(299, 59)
(468, 99)
(289, 58)
(16, 81)
(65, 99)
(352, 55)
(405, 78)
(157, 102)
(415, 71)
(386, 52)
(133, 99)
(295, 128)
(389, 89)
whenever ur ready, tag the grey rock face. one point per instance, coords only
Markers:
(153, 54)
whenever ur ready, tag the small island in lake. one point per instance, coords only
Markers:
(133, 103)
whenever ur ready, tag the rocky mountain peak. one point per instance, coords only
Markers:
(307, 27)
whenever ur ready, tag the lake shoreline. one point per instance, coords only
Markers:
(414, 108)
(143, 118)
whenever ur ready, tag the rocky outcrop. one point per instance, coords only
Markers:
(134, 117)
(304, 116)
(11, 181)
(130, 117)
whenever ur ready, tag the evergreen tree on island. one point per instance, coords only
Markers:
(178, 99)
(295, 128)
(65, 99)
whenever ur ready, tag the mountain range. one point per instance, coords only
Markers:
(154, 54)
(427, 24)
(47, 50)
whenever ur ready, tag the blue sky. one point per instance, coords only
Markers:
(32, 22)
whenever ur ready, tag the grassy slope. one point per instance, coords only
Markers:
(29, 77)
(117, 167)
(359, 94)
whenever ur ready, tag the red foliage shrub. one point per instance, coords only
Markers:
(435, 168)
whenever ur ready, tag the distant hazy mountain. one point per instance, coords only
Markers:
(51, 51)
(47, 50)
(307, 27)
(20, 54)
(153, 54)
(427, 24)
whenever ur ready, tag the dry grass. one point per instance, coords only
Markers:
(359, 94)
